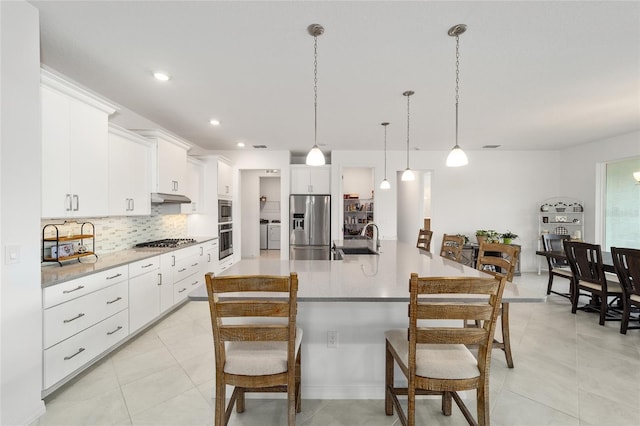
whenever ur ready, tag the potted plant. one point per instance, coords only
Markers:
(481, 235)
(508, 236)
(488, 235)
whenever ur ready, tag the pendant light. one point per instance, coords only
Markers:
(315, 157)
(385, 183)
(407, 175)
(457, 157)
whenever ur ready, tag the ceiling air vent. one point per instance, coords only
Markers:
(491, 146)
(260, 146)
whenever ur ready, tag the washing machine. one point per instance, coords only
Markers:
(273, 236)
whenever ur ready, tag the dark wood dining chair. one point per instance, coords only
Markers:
(433, 356)
(585, 260)
(251, 356)
(500, 259)
(451, 247)
(424, 239)
(557, 267)
(627, 265)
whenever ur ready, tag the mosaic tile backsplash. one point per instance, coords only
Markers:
(121, 232)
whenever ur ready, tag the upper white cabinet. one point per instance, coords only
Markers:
(225, 179)
(195, 187)
(169, 164)
(129, 173)
(74, 149)
(310, 179)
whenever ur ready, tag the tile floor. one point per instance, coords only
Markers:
(568, 371)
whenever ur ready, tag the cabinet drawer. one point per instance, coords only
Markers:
(182, 288)
(66, 357)
(67, 319)
(70, 290)
(143, 266)
(186, 267)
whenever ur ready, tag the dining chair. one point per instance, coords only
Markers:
(557, 267)
(451, 247)
(424, 239)
(585, 260)
(627, 265)
(256, 341)
(433, 356)
(500, 259)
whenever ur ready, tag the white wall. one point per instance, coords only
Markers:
(578, 174)
(20, 152)
(358, 180)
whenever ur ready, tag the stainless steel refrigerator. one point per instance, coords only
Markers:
(310, 227)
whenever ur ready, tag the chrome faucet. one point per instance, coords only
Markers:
(364, 230)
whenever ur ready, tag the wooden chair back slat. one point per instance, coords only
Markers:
(451, 247)
(256, 283)
(456, 285)
(451, 311)
(252, 308)
(444, 335)
(585, 260)
(505, 261)
(627, 265)
(254, 333)
(424, 239)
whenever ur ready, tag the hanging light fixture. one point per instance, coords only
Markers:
(385, 183)
(457, 157)
(315, 157)
(636, 176)
(407, 175)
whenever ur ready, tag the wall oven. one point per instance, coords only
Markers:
(224, 211)
(225, 240)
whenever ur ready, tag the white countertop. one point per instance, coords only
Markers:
(52, 273)
(366, 278)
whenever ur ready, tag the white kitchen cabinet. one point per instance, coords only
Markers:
(169, 162)
(129, 173)
(195, 187)
(144, 293)
(310, 180)
(210, 258)
(167, 264)
(74, 150)
(225, 179)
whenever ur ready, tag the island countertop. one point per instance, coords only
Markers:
(367, 278)
(52, 274)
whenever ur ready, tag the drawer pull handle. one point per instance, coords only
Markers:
(114, 300)
(67, 358)
(180, 291)
(80, 315)
(109, 333)
(115, 276)
(182, 270)
(80, 287)
(146, 266)
(195, 283)
(195, 264)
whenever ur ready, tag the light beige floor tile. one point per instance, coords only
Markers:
(176, 317)
(96, 381)
(514, 410)
(105, 409)
(207, 390)
(179, 332)
(605, 411)
(260, 412)
(188, 408)
(156, 388)
(197, 310)
(141, 344)
(196, 345)
(345, 412)
(200, 368)
(136, 367)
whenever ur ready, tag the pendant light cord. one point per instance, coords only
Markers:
(408, 119)
(315, 90)
(457, 82)
(385, 150)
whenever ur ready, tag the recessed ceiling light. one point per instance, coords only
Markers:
(162, 76)
(240, 144)
(214, 122)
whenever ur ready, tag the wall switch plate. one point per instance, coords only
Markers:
(12, 254)
(332, 339)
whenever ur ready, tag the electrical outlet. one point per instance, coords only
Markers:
(332, 339)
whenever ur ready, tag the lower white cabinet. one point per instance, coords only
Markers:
(225, 263)
(73, 353)
(144, 296)
(210, 258)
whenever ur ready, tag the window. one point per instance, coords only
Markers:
(622, 205)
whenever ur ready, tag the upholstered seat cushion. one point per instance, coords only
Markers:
(612, 286)
(565, 272)
(258, 358)
(635, 298)
(433, 360)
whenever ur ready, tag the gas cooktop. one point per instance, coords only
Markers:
(167, 243)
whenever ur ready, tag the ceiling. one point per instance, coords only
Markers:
(533, 75)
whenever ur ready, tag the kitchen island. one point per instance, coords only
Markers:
(357, 299)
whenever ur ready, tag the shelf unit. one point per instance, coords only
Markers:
(64, 245)
(560, 215)
(357, 213)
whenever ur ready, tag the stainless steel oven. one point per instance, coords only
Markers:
(225, 241)
(224, 211)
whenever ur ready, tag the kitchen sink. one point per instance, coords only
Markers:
(357, 250)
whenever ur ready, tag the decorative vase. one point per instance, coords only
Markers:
(481, 239)
(506, 240)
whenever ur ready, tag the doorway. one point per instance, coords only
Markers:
(270, 214)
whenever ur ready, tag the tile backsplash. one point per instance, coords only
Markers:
(124, 232)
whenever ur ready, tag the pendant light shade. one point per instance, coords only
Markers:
(315, 156)
(636, 176)
(385, 183)
(457, 157)
(408, 175)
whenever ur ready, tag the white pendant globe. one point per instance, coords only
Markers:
(457, 157)
(408, 175)
(385, 184)
(315, 157)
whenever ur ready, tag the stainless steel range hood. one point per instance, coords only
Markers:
(160, 198)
